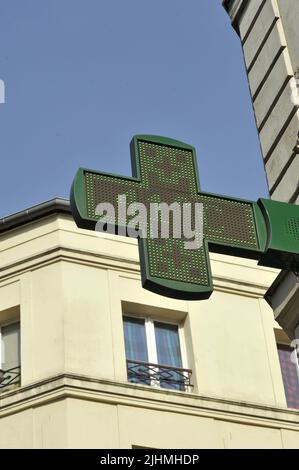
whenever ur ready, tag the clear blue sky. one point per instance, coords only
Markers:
(83, 76)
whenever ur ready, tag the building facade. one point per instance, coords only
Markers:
(268, 30)
(89, 359)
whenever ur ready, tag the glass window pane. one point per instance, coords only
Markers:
(136, 350)
(10, 346)
(168, 344)
(290, 376)
(169, 354)
(135, 339)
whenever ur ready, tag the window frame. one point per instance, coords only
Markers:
(151, 346)
(287, 343)
(3, 325)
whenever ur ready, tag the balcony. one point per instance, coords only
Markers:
(9, 378)
(159, 375)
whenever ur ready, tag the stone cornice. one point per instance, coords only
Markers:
(108, 261)
(80, 387)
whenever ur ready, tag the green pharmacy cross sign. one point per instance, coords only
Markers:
(165, 171)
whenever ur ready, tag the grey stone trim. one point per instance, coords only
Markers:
(283, 296)
(281, 175)
(235, 9)
(295, 195)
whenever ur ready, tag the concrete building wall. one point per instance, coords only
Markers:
(289, 12)
(71, 287)
(269, 35)
(111, 426)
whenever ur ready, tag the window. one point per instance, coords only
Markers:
(290, 374)
(10, 354)
(153, 353)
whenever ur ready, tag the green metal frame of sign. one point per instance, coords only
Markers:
(165, 170)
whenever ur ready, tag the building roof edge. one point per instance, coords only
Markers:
(44, 209)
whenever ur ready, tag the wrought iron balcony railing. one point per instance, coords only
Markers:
(10, 377)
(159, 375)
